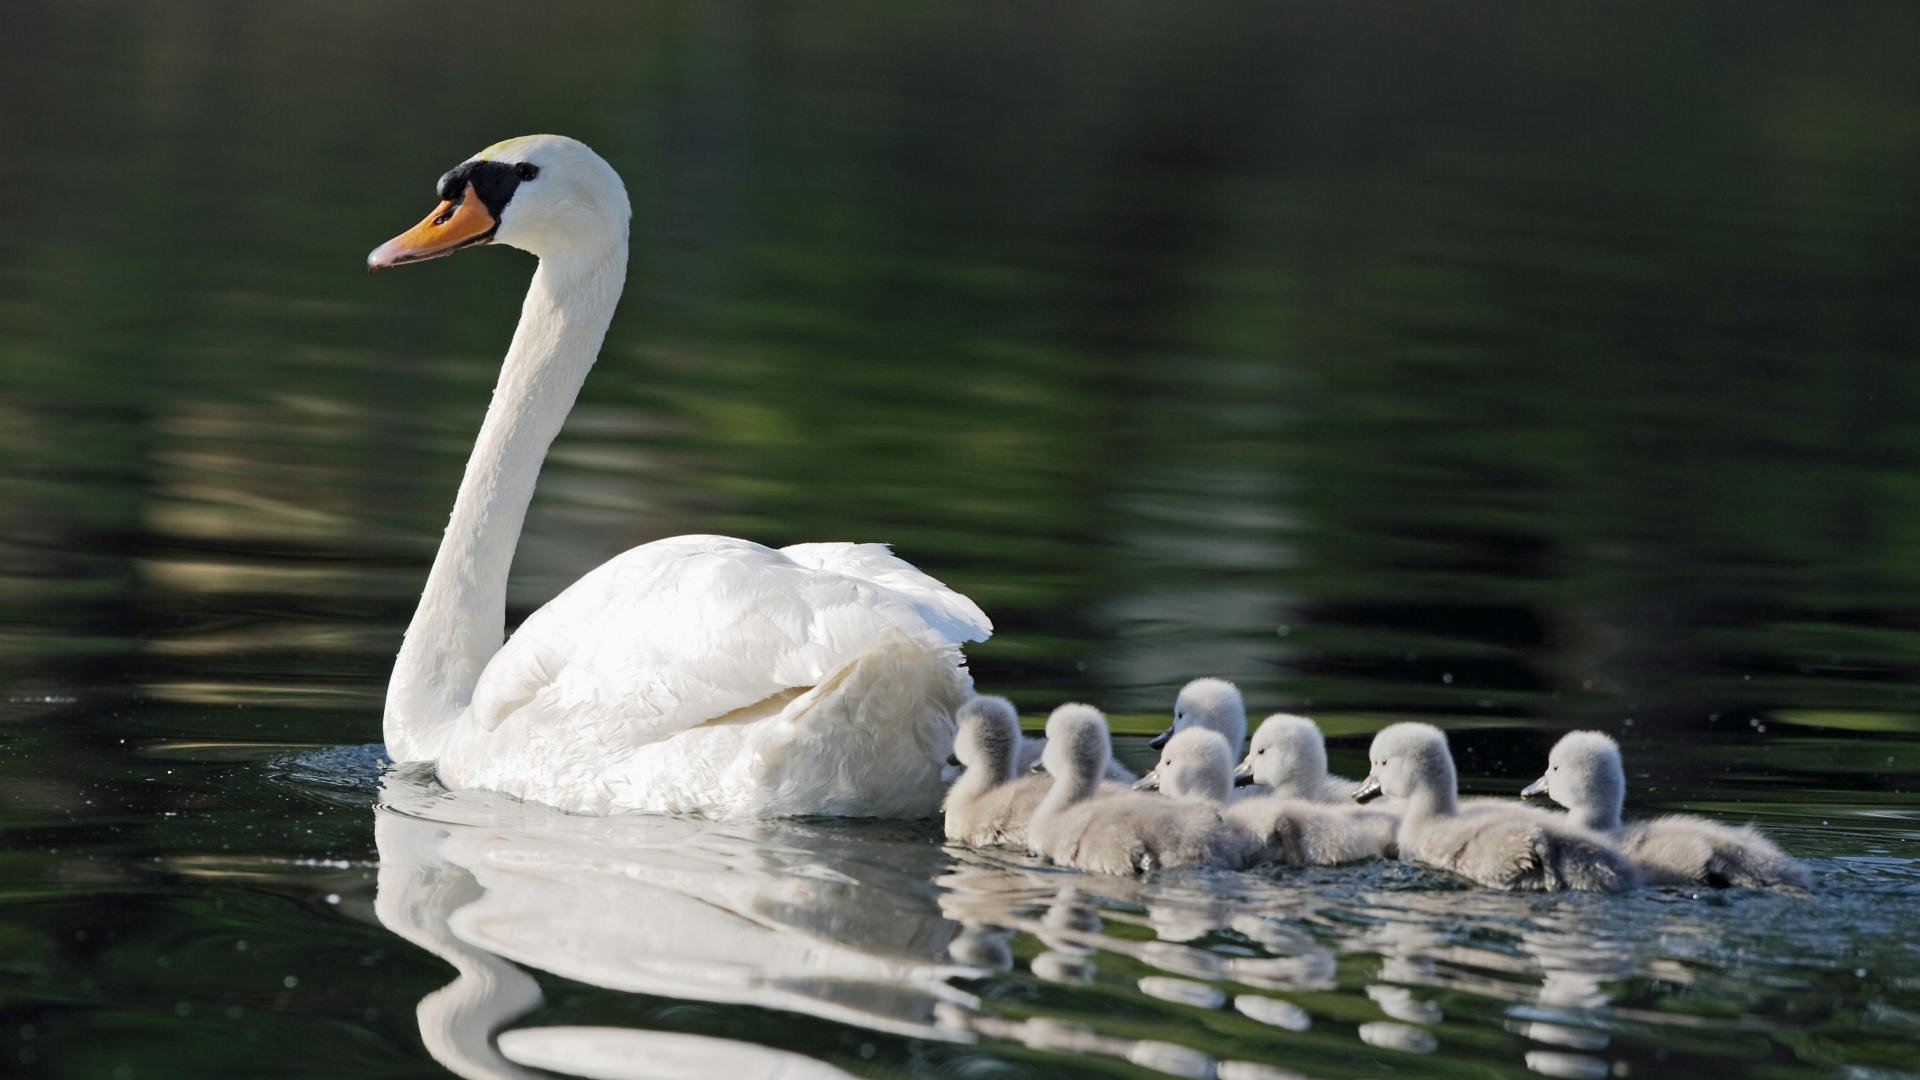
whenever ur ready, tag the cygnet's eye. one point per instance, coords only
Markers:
(1262, 750)
(525, 171)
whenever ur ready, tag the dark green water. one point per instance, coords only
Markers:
(1509, 367)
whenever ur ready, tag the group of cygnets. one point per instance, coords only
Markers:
(1279, 807)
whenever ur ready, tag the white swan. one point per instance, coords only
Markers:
(1125, 832)
(1584, 775)
(1503, 846)
(697, 674)
(1282, 830)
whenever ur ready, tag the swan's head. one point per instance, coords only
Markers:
(1408, 758)
(988, 736)
(1584, 773)
(1287, 754)
(546, 194)
(1196, 764)
(1078, 747)
(1214, 704)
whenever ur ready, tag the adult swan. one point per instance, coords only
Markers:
(697, 674)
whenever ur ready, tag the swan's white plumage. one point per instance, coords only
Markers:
(697, 674)
(837, 692)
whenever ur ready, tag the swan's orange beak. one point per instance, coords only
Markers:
(454, 224)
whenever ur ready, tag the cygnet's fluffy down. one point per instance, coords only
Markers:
(1584, 774)
(1192, 749)
(1028, 758)
(1124, 832)
(1214, 704)
(1500, 846)
(1282, 831)
(989, 805)
(1288, 756)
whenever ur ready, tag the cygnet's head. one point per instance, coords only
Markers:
(1585, 776)
(546, 194)
(1214, 704)
(1196, 764)
(1287, 754)
(988, 736)
(1078, 746)
(1408, 758)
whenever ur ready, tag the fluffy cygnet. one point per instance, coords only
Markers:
(1193, 750)
(1028, 758)
(1503, 846)
(1214, 704)
(1283, 831)
(1288, 756)
(989, 805)
(1584, 775)
(1123, 832)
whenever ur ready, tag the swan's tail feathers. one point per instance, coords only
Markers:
(868, 741)
(951, 615)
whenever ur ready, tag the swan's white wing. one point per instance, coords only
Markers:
(673, 634)
(949, 613)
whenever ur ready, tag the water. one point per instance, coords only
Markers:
(1513, 369)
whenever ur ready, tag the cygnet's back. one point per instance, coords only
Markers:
(1122, 832)
(988, 805)
(1280, 831)
(1500, 846)
(1585, 775)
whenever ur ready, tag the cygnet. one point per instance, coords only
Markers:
(988, 805)
(1584, 775)
(1288, 756)
(1502, 846)
(1123, 832)
(1283, 831)
(1213, 704)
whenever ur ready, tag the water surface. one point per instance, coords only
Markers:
(1513, 369)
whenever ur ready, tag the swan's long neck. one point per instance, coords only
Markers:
(461, 620)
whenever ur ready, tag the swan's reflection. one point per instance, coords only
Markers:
(837, 923)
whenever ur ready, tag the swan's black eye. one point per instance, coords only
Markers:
(525, 171)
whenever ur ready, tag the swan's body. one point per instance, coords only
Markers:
(989, 806)
(1503, 846)
(1584, 774)
(1281, 831)
(697, 674)
(1123, 832)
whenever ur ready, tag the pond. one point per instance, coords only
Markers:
(1513, 369)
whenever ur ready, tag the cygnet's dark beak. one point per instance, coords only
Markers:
(1160, 740)
(1148, 782)
(1243, 775)
(1368, 789)
(1538, 787)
